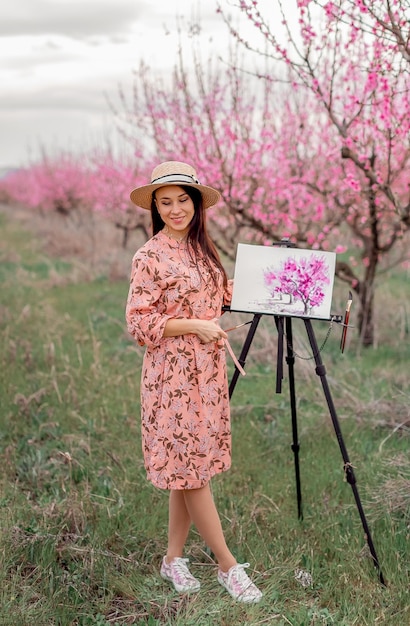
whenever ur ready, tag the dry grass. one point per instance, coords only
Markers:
(393, 494)
(91, 243)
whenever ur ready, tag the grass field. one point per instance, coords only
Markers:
(83, 532)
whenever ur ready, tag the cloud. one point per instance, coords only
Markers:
(86, 18)
(81, 97)
(74, 19)
(60, 60)
(25, 138)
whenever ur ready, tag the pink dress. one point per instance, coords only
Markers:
(186, 433)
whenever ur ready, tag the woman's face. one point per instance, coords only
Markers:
(176, 209)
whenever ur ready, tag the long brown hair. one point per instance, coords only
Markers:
(201, 243)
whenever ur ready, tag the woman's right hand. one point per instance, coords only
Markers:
(209, 330)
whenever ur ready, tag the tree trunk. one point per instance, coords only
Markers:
(372, 251)
(125, 236)
(365, 315)
(366, 287)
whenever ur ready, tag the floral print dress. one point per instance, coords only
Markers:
(186, 434)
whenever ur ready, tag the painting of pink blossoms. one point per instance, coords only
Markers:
(283, 281)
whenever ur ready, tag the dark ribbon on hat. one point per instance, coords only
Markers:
(175, 178)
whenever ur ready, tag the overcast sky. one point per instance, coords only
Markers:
(59, 59)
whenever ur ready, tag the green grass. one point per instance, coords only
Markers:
(83, 532)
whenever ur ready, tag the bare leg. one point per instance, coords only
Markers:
(198, 506)
(202, 511)
(179, 524)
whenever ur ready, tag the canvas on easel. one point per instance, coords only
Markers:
(283, 281)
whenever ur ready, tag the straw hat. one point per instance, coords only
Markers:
(173, 173)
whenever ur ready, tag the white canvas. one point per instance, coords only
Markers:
(278, 280)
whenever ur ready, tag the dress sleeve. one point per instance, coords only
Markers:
(144, 313)
(228, 293)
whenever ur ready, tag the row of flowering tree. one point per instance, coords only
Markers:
(312, 144)
(75, 186)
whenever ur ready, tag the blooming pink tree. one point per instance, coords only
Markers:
(57, 184)
(244, 141)
(350, 60)
(112, 179)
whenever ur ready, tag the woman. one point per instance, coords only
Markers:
(177, 291)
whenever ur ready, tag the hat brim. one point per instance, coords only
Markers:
(142, 196)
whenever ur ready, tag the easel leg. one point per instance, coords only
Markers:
(245, 350)
(290, 359)
(348, 468)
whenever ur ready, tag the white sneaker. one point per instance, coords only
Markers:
(237, 582)
(178, 574)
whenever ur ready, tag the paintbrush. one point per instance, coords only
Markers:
(227, 330)
(346, 322)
